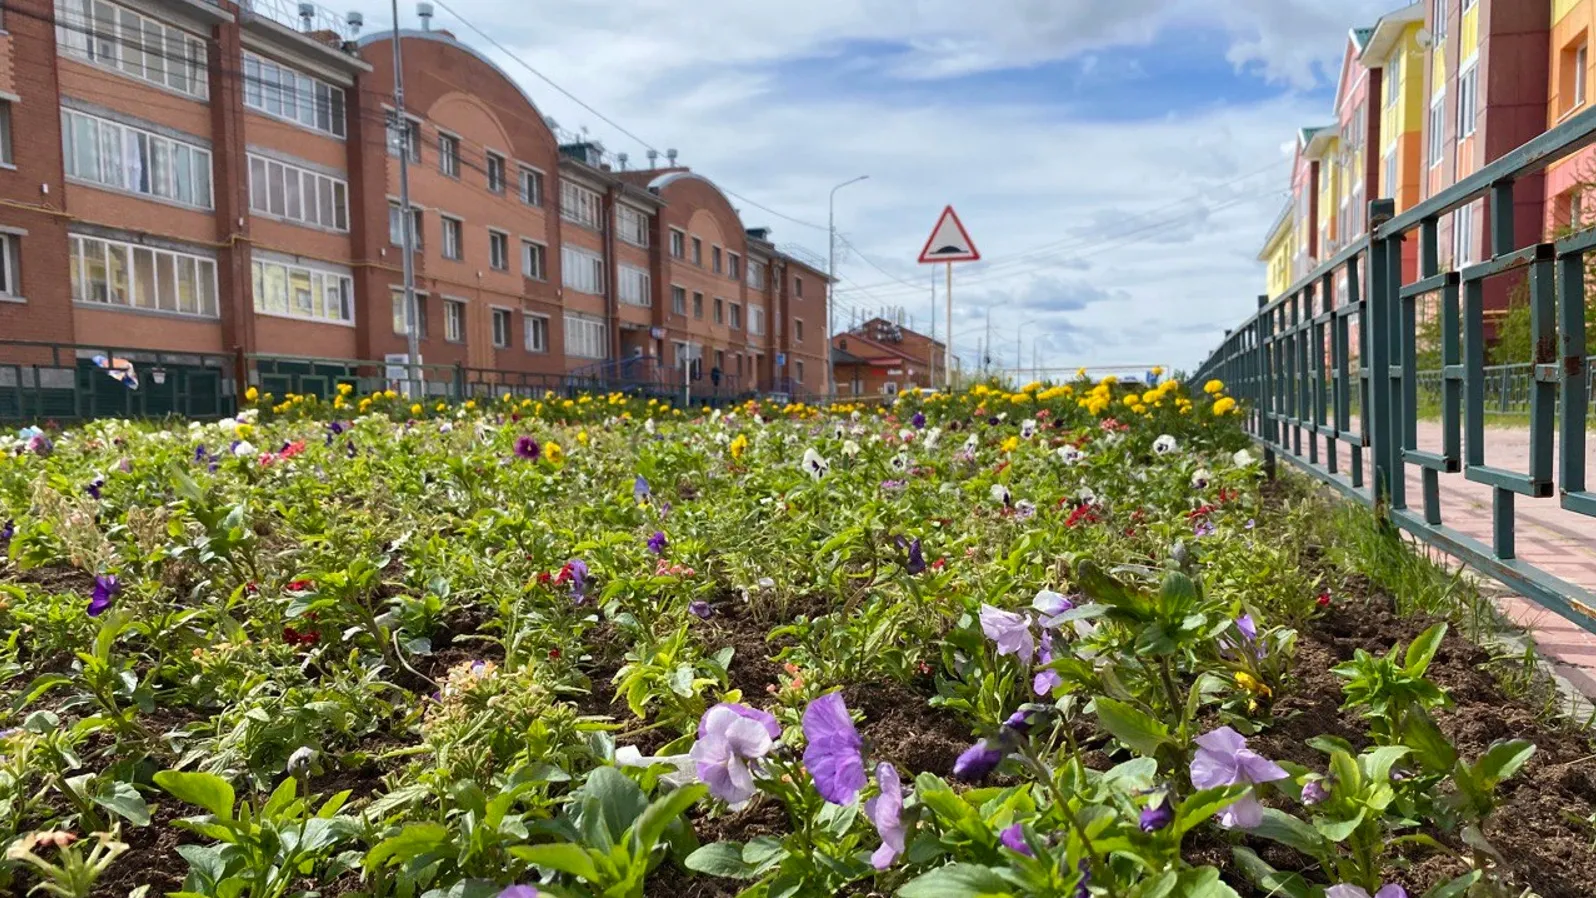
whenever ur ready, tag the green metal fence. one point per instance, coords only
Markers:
(62, 382)
(1295, 364)
(1508, 388)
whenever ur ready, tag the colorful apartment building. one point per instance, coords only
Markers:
(199, 177)
(1569, 73)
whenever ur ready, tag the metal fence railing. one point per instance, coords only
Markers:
(73, 382)
(1293, 364)
(1508, 388)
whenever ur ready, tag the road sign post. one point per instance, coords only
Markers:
(949, 242)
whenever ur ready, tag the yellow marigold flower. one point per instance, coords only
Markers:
(738, 446)
(581, 437)
(1131, 399)
(1158, 370)
(1080, 373)
(506, 398)
(251, 394)
(470, 404)
(365, 405)
(1213, 386)
(1010, 444)
(1111, 379)
(440, 406)
(389, 394)
(345, 389)
(1224, 405)
(553, 452)
(1139, 409)
(415, 409)
(567, 404)
(245, 430)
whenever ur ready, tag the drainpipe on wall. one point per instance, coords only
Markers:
(612, 265)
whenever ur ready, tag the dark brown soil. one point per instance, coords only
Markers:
(59, 579)
(151, 858)
(900, 726)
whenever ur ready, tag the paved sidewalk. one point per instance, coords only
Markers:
(1552, 539)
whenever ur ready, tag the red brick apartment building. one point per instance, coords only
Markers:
(882, 358)
(194, 176)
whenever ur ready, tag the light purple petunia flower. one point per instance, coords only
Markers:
(978, 760)
(886, 812)
(1051, 606)
(1046, 680)
(1315, 792)
(1010, 630)
(105, 589)
(1204, 527)
(700, 608)
(731, 741)
(1013, 839)
(1389, 890)
(519, 892)
(1223, 759)
(834, 754)
(576, 571)
(1248, 628)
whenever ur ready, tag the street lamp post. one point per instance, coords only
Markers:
(1019, 347)
(831, 276)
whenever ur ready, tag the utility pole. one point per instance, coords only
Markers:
(412, 334)
(986, 354)
(831, 277)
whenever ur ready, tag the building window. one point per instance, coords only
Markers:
(454, 322)
(720, 310)
(395, 235)
(1437, 130)
(635, 288)
(756, 320)
(1438, 20)
(142, 277)
(678, 244)
(714, 259)
(125, 158)
(581, 206)
(1393, 79)
(535, 331)
(449, 154)
(581, 270)
(798, 287)
(756, 275)
(678, 301)
(698, 252)
(534, 260)
(1572, 72)
(453, 238)
(5, 134)
(1463, 236)
(285, 93)
(401, 319)
(698, 305)
(9, 287)
(1391, 185)
(499, 250)
(531, 186)
(411, 137)
(501, 328)
(799, 365)
(1468, 91)
(117, 38)
(294, 291)
(585, 337)
(305, 197)
(631, 225)
(734, 266)
(495, 172)
(798, 329)
(736, 317)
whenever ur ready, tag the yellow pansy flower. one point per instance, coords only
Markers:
(553, 452)
(738, 446)
(251, 394)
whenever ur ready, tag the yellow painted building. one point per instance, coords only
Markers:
(1568, 181)
(1393, 48)
(1278, 252)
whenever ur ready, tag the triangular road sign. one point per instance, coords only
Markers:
(949, 241)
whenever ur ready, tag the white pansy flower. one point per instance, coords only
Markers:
(1027, 428)
(932, 436)
(1242, 458)
(970, 444)
(244, 449)
(1088, 496)
(1070, 455)
(815, 464)
(648, 425)
(1164, 445)
(850, 448)
(1199, 480)
(1001, 495)
(684, 772)
(900, 462)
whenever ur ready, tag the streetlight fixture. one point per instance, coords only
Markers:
(831, 276)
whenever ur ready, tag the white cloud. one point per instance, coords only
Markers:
(1131, 241)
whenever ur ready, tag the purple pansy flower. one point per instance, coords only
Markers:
(576, 571)
(640, 490)
(1248, 628)
(519, 892)
(94, 487)
(918, 420)
(731, 740)
(527, 448)
(105, 589)
(1345, 890)
(349, 449)
(1223, 759)
(658, 542)
(886, 812)
(1013, 839)
(1157, 815)
(7, 531)
(1010, 630)
(40, 445)
(833, 755)
(916, 563)
(978, 760)
(1046, 680)
(1315, 792)
(1204, 527)
(700, 608)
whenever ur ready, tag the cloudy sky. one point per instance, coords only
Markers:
(1117, 162)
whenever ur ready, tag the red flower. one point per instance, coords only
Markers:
(294, 637)
(1130, 531)
(939, 564)
(1001, 468)
(544, 577)
(554, 654)
(292, 449)
(251, 587)
(1324, 599)
(1199, 512)
(302, 586)
(1082, 513)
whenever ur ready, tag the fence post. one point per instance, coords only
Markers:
(1266, 396)
(1379, 343)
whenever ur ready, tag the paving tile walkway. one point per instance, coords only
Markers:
(1549, 537)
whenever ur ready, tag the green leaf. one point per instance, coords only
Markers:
(1278, 826)
(723, 859)
(1269, 879)
(617, 800)
(37, 688)
(1423, 650)
(1377, 764)
(958, 881)
(1340, 830)
(1141, 732)
(662, 813)
(1504, 759)
(206, 790)
(1430, 746)
(1457, 887)
(1200, 806)
(562, 856)
(126, 802)
(413, 841)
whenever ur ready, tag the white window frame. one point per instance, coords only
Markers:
(540, 271)
(756, 320)
(1436, 126)
(498, 249)
(265, 271)
(206, 303)
(1581, 61)
(454, 315)
(495, 162)
(734, 316)
(401, 314)
(582, 270)
(119, 45)
(535, 339)
(586, 337)
(449, 153)
(7, 157)
(632, 225)
(10, 286)
(411, 138)
(678, 292)
(798, 330)
(1438, 14)
(284, 93)
(1463, 237)
(531, 185)
(1393, 79)
(734, 266)
(581, 205)
(1468, 99)
(1390, 166)
(415, 223)
(458, 240)
(331, 194)
(698, 251)
(717, 259)
(498, 315)
(162, 153)
(720, 311)
(758, 273)
(678, 243)
(634, 286)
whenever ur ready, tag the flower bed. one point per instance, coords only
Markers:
(1053, 642)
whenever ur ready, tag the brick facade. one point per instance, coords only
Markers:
(280, 165)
